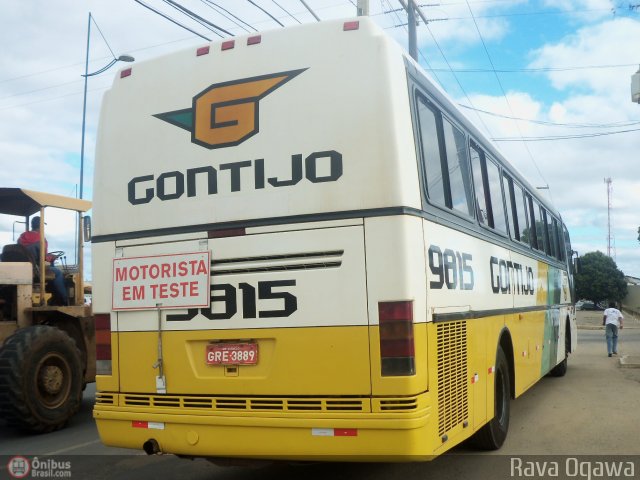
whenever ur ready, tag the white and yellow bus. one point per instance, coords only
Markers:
(303, 250)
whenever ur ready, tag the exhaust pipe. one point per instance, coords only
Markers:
(151, 447)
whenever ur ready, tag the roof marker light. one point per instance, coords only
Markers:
(228, 45)
(254, 40)
(202, 51)
(125, 73)
(354, 25)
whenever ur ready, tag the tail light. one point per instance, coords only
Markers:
(397, 351)
(103, 343)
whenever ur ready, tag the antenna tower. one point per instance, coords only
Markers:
(608, 181)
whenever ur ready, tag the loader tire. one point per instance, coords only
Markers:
(40, 379)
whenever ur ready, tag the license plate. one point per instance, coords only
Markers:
(232, 354)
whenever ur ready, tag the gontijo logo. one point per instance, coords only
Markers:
(226, 114)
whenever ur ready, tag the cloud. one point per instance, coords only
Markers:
(576, 169)
(608, 43)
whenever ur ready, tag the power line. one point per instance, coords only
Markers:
(39, 89)
(310, 10)
(194, 16)
(286, 11)
(625, 123)
(44, 100)
(424, 58)
(216, 8)
(103, 37)
(542, 69)
(426, 24)
(504, 94)
(140, 2)
(266, 12)
(562, 137)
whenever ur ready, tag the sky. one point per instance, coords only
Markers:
(548, 80)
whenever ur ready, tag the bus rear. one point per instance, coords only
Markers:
(259, 289)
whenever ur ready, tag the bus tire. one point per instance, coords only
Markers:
(561, 369)
(493, 434)
(40, 379)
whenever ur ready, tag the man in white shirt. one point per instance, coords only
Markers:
(612, 320)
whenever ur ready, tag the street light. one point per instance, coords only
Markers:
(121, 58)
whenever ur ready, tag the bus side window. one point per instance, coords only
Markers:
(458, 169)
(538, 220)
(567, 244)
(544, 216)
(486, 180)
(531, 231)
(553, 247)
(495, 192)
(479, 185)
(522, 215)
(431, 152)
(507, 189)
(557, 231)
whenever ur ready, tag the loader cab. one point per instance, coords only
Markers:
(28, 205)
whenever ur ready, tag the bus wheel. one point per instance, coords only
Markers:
(561, 369)
(492, 435)
(40, 379)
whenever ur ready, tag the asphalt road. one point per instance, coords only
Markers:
(593, 410)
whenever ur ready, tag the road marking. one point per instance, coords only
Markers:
(74, 447)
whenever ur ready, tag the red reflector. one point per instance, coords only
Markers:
(228, 45)
(125, 73)
(102, 321)
(103, 352)
(229, 232)
(253, 40)
(355, 25)
(139, 424)
(202, 51)
(345, 432)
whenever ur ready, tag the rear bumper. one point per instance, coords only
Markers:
(361, 437)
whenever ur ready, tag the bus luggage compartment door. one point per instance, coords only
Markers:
(288, 316)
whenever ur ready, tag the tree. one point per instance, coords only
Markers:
(599, 279)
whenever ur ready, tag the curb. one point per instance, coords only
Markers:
(600, 327)
(630, 361)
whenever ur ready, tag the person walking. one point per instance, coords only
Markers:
(612, 320)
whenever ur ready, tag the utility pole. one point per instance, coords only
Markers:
(608, 181)
(363, 8)
(413, 41)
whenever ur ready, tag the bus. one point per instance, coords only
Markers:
(312, 254)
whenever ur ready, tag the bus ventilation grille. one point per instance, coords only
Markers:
(248, 403)
(105, 398)
(399, 405)
(278, 263)
(453, 396)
